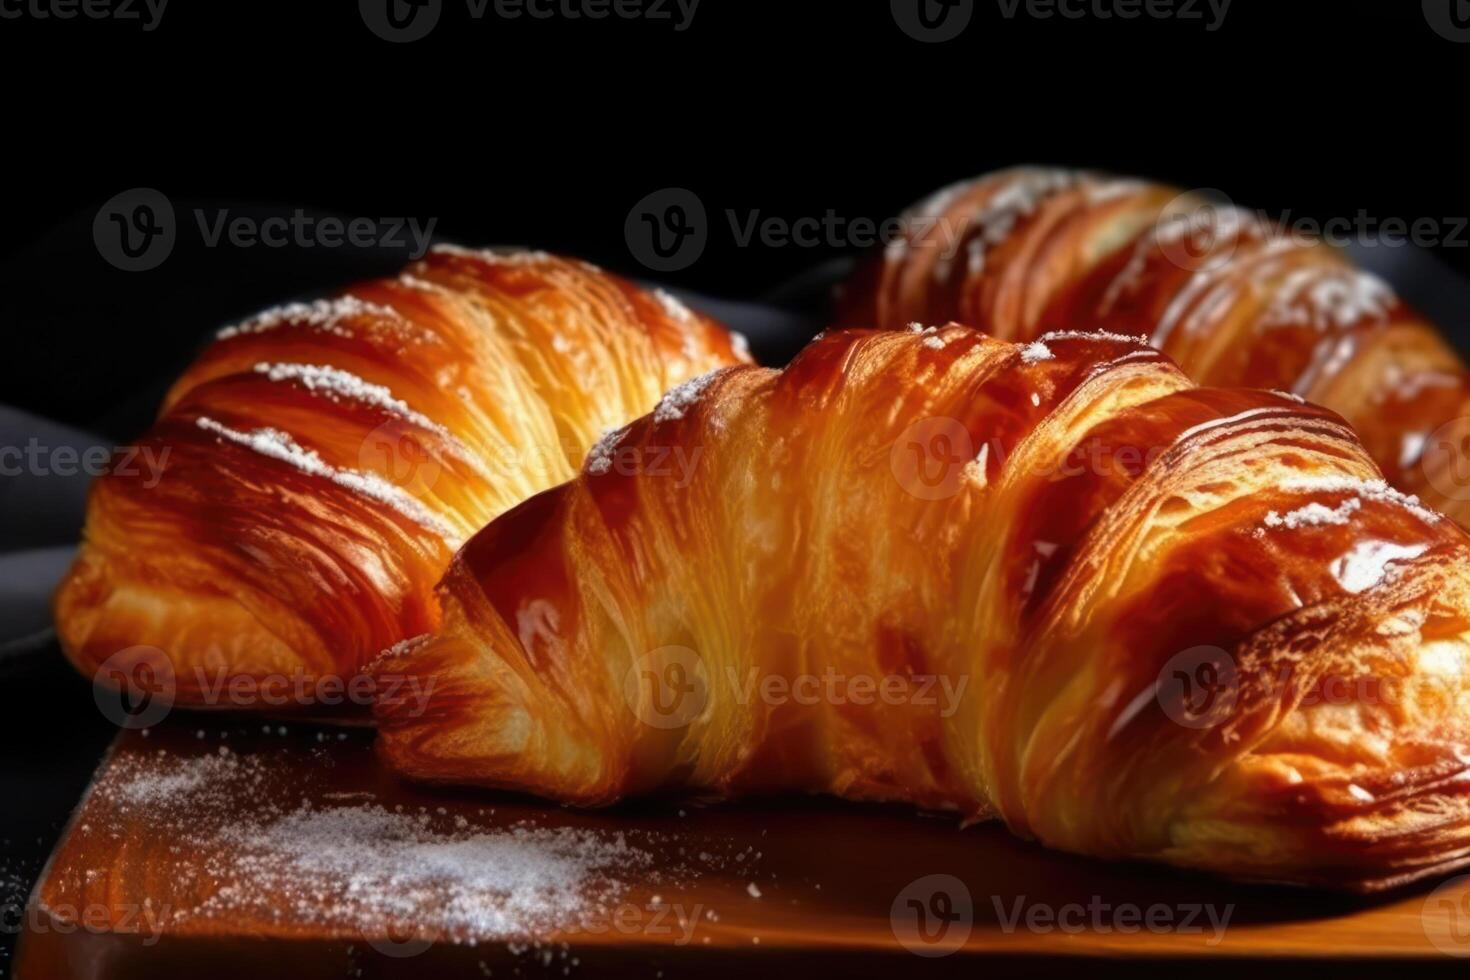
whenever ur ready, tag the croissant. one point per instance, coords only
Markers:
(322, 461)
(1234, 298)
(1054, 583)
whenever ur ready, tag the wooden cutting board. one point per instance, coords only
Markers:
(220, 850)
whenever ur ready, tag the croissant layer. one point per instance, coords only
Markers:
(1055, 583)
(1232, 297)
(322, 462)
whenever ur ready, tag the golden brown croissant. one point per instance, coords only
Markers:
(1233, 298)
(949, 570)
(322, 462)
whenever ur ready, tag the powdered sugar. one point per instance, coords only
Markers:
(271, 832)
(1122, 338)
(510, 256)
(1036, 351)
(681, 398)
(1375, 490)
(600, 457)
(408, 645)
(278, 445)
(367, 864)
(1367, 563)
(1315, 515)
(322, 314)
(1335, 298)
(934, 343)
(175, 786)
(337, 383)
(673, 307)
(1020, 194)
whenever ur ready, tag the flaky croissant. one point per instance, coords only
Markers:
(322, 461)
(1055, 583)
(1232, 297)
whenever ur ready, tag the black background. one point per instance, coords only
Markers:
(546, 133)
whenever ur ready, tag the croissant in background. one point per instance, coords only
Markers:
(324, 460)
(963, 573)
(1232, 297)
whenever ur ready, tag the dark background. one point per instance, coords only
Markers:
(547, 134)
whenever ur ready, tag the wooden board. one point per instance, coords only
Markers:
(219, 850)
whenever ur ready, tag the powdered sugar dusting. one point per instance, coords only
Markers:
(1375, 490)
(740, 344)
(278, 445)
(322, 314)
(673, 307)
(600, 457)
(367, 864)
(1336, 298)
(1020, 194)
(335, 382)
(1122, 338)
(1036, 351)
(408, 645)
(271, 830)
(681, 398)
(1367, 563)
(1315, 515)
(493, 256)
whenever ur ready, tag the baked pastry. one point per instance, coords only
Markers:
(1056, 583)
(322, 461)
(1234, 298)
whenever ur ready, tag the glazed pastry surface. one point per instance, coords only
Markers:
(322, 461)
(1233, 297)
(1056, 583)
